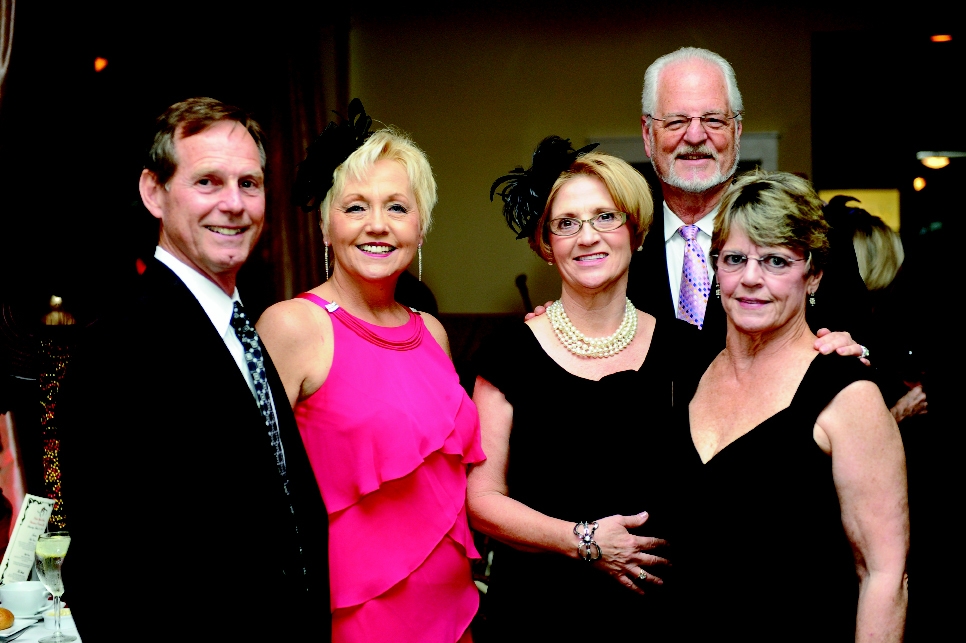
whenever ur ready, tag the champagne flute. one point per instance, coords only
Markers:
(50, 552)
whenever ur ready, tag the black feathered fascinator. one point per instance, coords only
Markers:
(525, 192)
(333, 146)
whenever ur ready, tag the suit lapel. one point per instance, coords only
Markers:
(179, 318)
(648, 285)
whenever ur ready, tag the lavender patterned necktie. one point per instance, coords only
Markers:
(695, 284)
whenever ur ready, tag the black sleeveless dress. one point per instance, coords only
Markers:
(579, 450)
(762, 551)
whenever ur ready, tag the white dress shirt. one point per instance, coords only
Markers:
(674, 245)
(218, 306)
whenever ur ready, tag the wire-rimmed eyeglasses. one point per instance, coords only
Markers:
(603, 222)
(712, 121)
(773, 264)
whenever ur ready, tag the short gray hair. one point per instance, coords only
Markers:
(649, 93)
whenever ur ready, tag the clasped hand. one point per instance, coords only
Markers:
(623, 555)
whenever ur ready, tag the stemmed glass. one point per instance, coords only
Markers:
(50, 553)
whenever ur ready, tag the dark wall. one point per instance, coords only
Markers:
(71, 139)
(878, 98)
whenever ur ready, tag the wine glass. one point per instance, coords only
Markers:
(51, 550)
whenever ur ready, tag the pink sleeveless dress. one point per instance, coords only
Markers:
(389, 435)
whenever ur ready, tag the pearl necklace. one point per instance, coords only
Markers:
(581, 345)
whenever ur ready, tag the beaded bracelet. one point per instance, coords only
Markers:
(587, 548)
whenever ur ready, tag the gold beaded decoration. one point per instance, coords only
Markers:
(54, 357)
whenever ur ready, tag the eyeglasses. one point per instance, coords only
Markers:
(712, 121)
(603, 222)
(736, 262)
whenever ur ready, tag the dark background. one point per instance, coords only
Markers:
(72, 140)
(878, 98)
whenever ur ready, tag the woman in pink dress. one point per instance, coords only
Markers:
(387, 426)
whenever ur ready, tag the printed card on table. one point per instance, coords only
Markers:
(18, 560)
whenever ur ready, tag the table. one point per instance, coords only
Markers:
(36, 632)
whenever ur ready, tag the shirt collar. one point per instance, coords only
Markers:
(217, 305)
(672, 222)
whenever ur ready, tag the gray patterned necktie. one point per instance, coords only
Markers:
(263, 392)
(263, 395)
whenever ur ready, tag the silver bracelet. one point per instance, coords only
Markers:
(587, 548)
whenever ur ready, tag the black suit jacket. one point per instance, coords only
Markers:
(842, 301)
(172, 495)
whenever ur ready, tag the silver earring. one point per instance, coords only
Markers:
(811, 299)
(326, 262)
(419, 251)
(717, 291)
(640, 247)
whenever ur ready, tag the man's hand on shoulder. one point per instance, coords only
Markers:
(842, 343)
(539, 310)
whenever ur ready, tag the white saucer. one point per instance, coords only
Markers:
(38, 614)
(18, 624)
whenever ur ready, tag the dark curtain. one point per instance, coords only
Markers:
(308, 88)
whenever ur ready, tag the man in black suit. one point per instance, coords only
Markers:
(190, 500)
(691, 121)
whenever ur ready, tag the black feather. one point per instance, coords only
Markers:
(329, 150)
(525, 192)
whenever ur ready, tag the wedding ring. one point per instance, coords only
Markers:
(865, 352)
(642, 575)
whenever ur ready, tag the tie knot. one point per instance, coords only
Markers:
(689, 232)
(239, 320)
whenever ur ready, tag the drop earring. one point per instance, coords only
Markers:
(419, 251)
(326, 262)
(811, 299)
(717, 291)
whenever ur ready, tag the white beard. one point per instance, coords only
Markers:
(697, 186)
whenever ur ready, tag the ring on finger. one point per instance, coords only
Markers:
(642, 575)
(865, 351)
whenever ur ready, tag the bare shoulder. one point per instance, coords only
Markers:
(539, 324)
(543, 331)
(645, 323)
(298, 336)
(857, 414)
(291, 321)
(645, 318)
(855, 401)
(436, 329)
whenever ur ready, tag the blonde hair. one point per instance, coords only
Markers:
(626, 186)
(394, 145)
(879, 251)
(774, 209)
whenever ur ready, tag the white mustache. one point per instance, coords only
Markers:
(701, 149)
